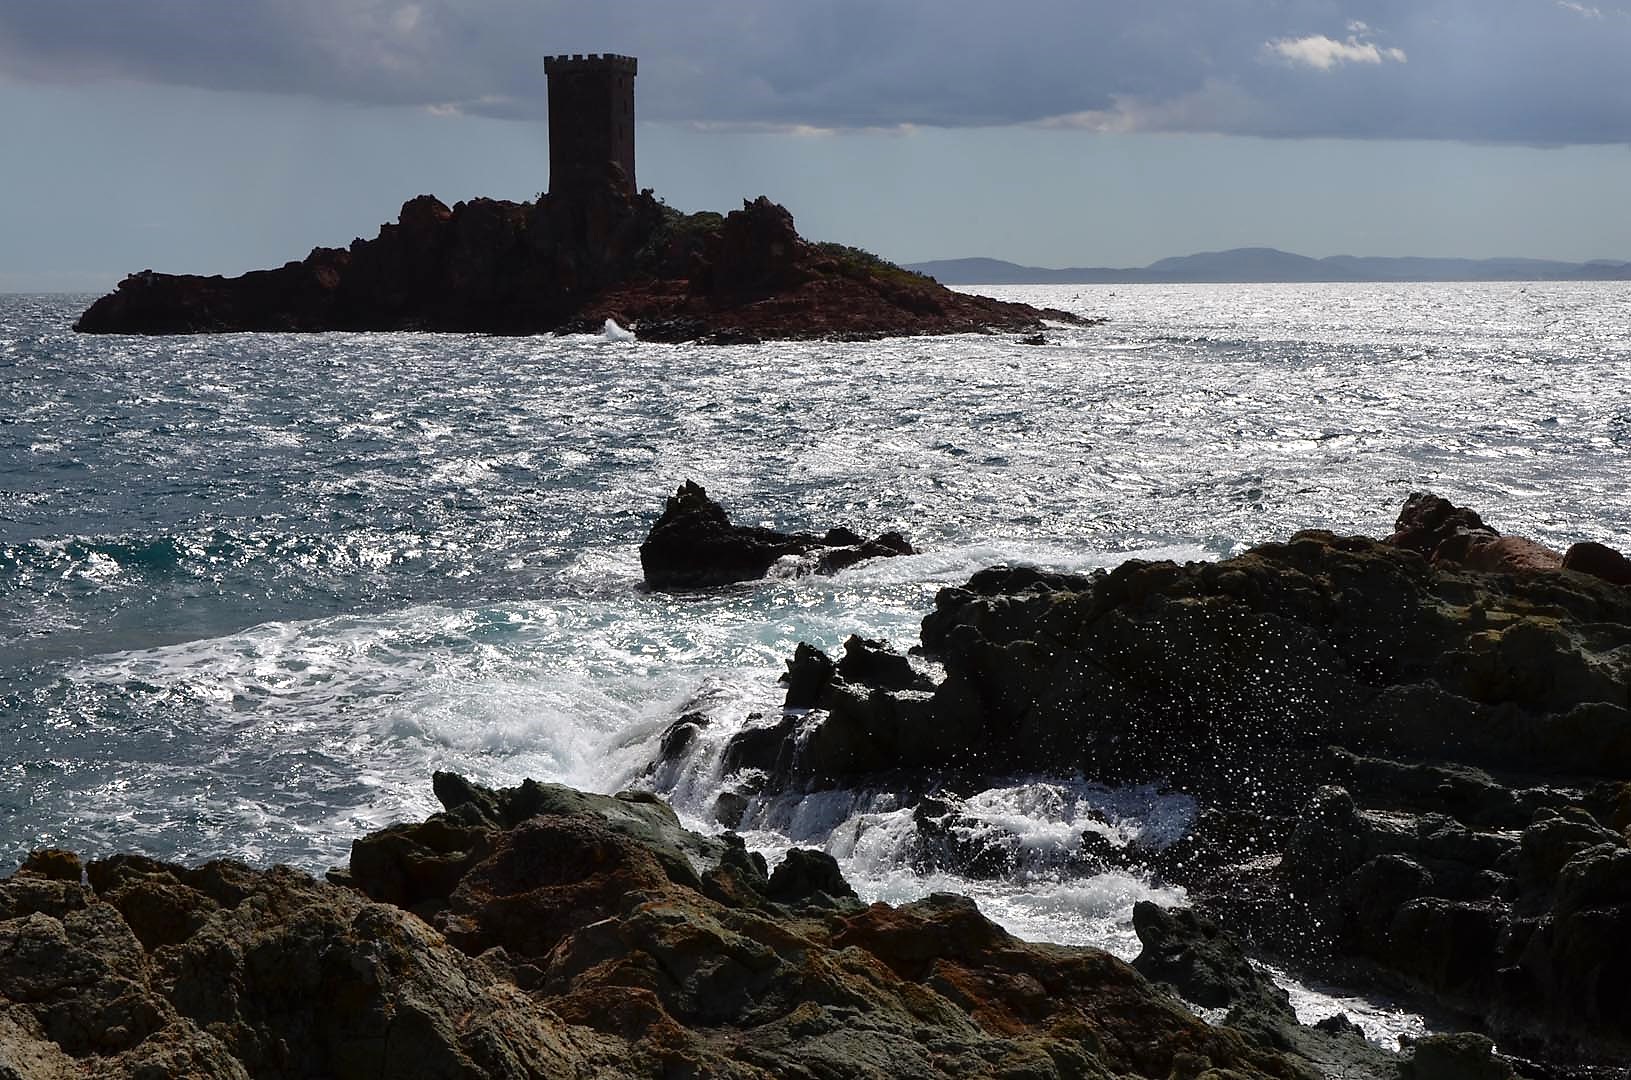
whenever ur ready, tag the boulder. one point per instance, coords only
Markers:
(807, 876)
(694, 545)
(1200, 962)
(873, 663)
(1465, 1056)
(1599, 560)
(1427, 522)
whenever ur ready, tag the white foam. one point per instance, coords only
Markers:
(613, 332)
(1052, 817)
(873, 836)
(1382, 1021)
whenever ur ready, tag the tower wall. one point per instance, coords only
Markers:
(591, 119)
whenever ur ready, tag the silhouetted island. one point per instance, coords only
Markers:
(593, 248)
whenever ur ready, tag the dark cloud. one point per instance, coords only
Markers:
(1530, 71)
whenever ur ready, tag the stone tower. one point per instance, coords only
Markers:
(591, 120)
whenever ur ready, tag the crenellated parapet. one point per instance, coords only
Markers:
(590, 62)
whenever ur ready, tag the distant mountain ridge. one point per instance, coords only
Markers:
(1261, 264)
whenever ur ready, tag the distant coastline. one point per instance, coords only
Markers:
(1266, 265)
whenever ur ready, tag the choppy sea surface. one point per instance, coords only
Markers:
(255, 588)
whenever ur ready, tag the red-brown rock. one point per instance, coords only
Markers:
(491, 266)
(1504, 555)
(1442, 532)
(1598, 560)
(583, 944)
(1427, 522)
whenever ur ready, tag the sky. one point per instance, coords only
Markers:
(208, 137)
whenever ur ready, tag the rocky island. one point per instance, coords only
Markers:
(496, 267)
(594, 247)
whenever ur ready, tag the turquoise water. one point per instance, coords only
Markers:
(254, 588)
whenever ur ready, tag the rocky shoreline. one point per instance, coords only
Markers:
(567, 264)
(1411, 758)
(543, 932)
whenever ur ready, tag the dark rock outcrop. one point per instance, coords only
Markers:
(1412, 769)
(694, 545)
(1598, 560)
(1205, 965)
(586, 936)
(568, 264)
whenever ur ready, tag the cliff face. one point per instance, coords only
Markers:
(490, 266)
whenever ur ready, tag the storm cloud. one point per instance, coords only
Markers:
(1539, 72)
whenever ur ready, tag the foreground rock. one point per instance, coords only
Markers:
(491, 266)
(553, 933)
(694, 545)
(1413, 776)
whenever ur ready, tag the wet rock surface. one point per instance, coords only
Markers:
(1412, 760)
(694, 545)
(580, 935)
(568, 264)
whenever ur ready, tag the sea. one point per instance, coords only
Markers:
(255, 588)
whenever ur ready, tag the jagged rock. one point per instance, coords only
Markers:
(1328, 843)
(1339, 1024)
(1427, 522)
(835, 555)
(1445, 533)
(1207, 966)
(764, 749)
(694, 545)
(809, 673)
(55, 864)
(1204, 965)
(729, 806)
(279, 975)
(756, 254)
(569, 262)
(1466, 1056)
(678, 736)
(576, 946)
(805, 875)
(873, 663)
(1503, 555)
(1411, 772)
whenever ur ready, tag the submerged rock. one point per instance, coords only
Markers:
(694, 545)
(584, 935)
